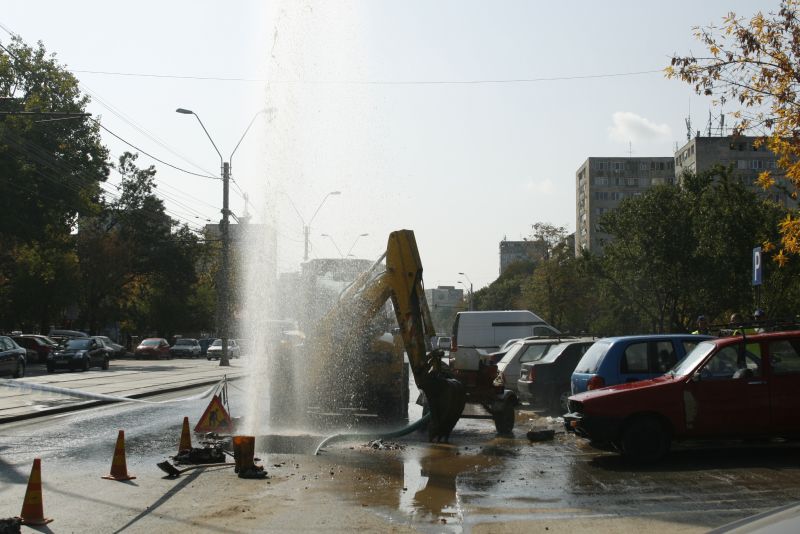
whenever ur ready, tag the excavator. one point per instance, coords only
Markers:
(354, 367)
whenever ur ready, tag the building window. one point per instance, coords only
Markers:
(741, 164)
(642, 165)
(756, 164)
(619, 166)
(602, 181)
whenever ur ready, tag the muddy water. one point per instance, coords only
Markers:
(484, 483)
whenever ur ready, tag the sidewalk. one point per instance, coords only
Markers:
(125, 378)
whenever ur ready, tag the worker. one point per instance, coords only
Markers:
(759, 317)
(702, 326)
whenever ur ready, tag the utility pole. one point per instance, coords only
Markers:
(224, 303)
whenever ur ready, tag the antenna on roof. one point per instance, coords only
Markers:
(688, 121)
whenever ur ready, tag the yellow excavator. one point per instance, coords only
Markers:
(355, 368)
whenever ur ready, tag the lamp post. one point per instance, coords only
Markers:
(334, 244)
(471, 300)
(223, 303)
(307, 227)
(359, 236)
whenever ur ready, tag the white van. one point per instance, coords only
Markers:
(478, 333)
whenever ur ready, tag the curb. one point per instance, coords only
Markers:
(92, 404)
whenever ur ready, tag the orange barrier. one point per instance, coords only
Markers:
(32, 507)
(186, 438)
(119, 467)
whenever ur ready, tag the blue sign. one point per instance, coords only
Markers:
(757, 266)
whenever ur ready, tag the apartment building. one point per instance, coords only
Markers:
(739, 153)
(602, 183)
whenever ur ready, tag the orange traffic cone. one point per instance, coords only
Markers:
(119, 468)
(32, 507)
(186, 439)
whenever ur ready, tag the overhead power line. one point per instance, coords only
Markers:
(152, 156)
(374, 82)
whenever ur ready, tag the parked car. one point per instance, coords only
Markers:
(117, 350)
(185, 348)
(153, 347)
(545, 383)
(617, 360)
(722, 389)
(42, 346)
(215, 350)
(80, 353)
(12, 358)
(61, 336)
(526, 350)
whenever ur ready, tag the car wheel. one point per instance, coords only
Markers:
(644, 439)
(105, 364)
(20, 370)
(504, 419)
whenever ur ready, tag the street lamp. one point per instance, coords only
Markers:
(222, 295)
(334, 244)
(471, 301)
(307, 226)
(359, 236)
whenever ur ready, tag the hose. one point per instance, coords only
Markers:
(408, 429)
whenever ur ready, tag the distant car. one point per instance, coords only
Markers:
(726, 388)
(61, 336)
(215, 350)
(80, 354)
(118, 351)
(616, 360)
(545, 383)
(526, 350)
(204, 344)
(12, 358)
(185, 348)
(153, 347)
(41, 345)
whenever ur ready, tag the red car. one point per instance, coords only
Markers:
(153, 347)
(733, 387)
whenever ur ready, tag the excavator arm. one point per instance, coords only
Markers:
(401, 281)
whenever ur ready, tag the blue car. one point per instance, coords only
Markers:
(616, 360)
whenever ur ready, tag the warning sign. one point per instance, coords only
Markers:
(215, 418)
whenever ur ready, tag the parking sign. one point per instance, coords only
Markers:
(757, 266)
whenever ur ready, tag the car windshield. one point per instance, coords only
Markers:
(691, 360)
(78, 344)
(217, 343)
(150, 342)
(591, 360)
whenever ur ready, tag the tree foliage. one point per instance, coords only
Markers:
(71, 255)
(755, 63)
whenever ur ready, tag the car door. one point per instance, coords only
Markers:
(727, 396)
(784, 382)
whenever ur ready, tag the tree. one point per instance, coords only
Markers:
(504, 293)
(756, 63)
(50, 173)
(681, 252)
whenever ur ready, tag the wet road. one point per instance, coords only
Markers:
(479, 483)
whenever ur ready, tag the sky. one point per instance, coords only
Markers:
(462, 120)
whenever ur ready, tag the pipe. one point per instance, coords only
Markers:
(408, 429)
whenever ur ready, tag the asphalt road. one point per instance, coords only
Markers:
(479, 483)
